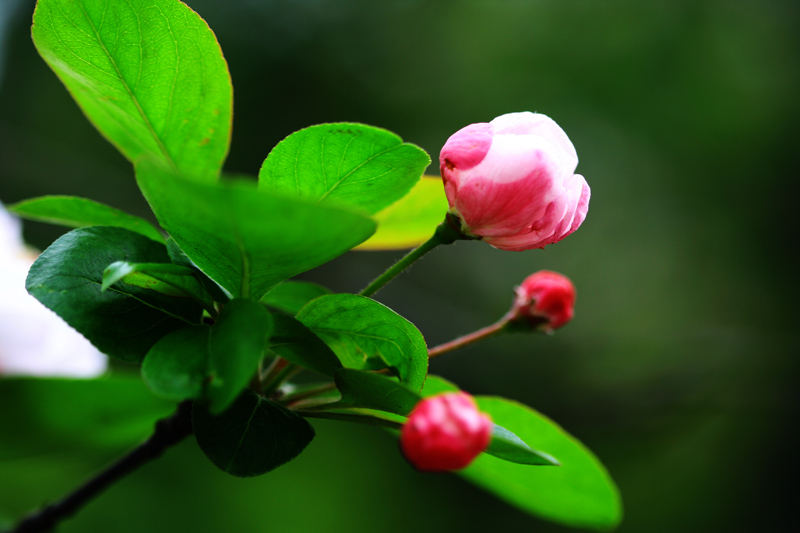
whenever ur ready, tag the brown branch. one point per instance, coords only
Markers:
(168, 432)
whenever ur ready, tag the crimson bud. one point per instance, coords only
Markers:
(545, 300)
(445, 432)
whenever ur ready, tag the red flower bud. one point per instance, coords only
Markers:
(445, 432)
(512, 181)
(545, 300)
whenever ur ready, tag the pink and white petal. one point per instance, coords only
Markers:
(466, 148)
(527, 123)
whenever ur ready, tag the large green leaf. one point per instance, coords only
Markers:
(176, 367)
(75, 212)
(354, 165)
(252, 437)
(367, 335)
(237, 344)
(248, 240)
(40, 415)
(373, 391)
(148, 73)
(179, 258)
(578, 493)
(124, 321)
(411, 220)
(291, 296)
(173, 280)
(299, 345)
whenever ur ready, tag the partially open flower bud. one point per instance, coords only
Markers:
(512, 181)
(445, 432)
(545, 300)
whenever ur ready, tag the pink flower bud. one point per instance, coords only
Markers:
(512, 181)
(445, 432)
(545, 300)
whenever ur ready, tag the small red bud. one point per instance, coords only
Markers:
(445, 432)
(546, 300)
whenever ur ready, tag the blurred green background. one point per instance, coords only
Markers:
(680, 368)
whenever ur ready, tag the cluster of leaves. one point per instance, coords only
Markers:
(210, 311)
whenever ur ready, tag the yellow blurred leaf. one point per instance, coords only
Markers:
(411, 220)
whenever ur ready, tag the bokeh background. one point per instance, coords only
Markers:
(680, 369)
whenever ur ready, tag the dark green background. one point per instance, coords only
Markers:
(680, 367)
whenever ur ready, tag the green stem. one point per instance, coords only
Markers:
(279, 371)
(290, 398)
(446, 233)
(475, 336)
(361, 416)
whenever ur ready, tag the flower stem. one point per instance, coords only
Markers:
(483, 333)
(279, 371)
(446, 233)
(168, 432)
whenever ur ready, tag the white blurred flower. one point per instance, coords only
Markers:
(35, 341)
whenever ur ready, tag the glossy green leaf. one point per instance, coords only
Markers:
(353, 165)
(166, 278)
(360, 415)
(367, 335)
(237, 344)
(579, 493)
(438, 385)
(47, 415)
(124, 321)
(411, 220)
(509, 447)
(179, 257)
(291, 296)
(252, 437)
(374, 391)
(247, 240)
(149, 74)
(299, 345)
(75, 212)
(176, 367)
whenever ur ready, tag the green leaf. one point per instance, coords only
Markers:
(411, 220)
(149, 74)
(438, 385)
(360, 415)
(179, 258)
(165, 278)
(125, 321)
(509, 447)
(373, 391)
(247, 240)
(299, 345)
(251, 438)
(237, 344)
(353, 165)
(579, 493)
(176, 367)
(46, 415)
(291, 296)
(75, 212)
(367, 335)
